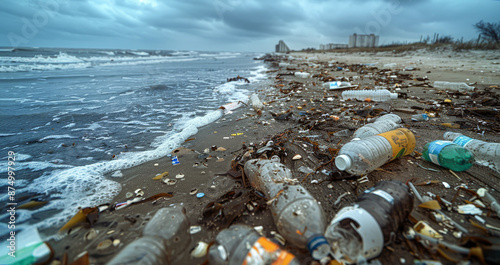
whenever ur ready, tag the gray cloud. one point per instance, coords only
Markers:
(233, 24)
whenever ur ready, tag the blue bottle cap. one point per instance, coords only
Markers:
(200, 194)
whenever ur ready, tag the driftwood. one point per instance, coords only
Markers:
(238, 78)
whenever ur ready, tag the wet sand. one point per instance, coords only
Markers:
(312, 106)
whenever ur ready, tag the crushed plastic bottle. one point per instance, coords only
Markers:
(359, 233)
(374, 95)
(255, 102)
(448, 155)
(164, 240)
(383, 124)
(360, 157)
(292, 206)
(457, 86)
(485, 153)
(241, 244)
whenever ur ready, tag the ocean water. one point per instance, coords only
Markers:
(75, 116)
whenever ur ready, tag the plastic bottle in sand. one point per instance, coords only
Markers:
(241, 244)
(360, 157)
(358, 233)
(374, 95)
(292, 206)
(485, 153)
(448, 155)
(457, 86)
(383, 124)
(164, 240)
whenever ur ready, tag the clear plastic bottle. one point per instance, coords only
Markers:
(457, 86)
(485, 153)
(361, 231)
(420, 117)
(360, 157)
(293, 207)
(164, 240)
(375, 95)
(383, 124)
(448, 155)
(241, 244)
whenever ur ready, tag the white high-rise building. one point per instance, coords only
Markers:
(363, 40)
(282, 47)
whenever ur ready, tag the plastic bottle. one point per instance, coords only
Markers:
(485, 153)
(26, 247)
(457, 86)
(292, 206)
(420, 117)
(164, 240)
(361, 231)
(383, 124)
(241, 244)
(374, 95)
(360, 157)
(448, 155)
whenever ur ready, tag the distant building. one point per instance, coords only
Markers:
(282, 47)
(331, 46)
(362, 40)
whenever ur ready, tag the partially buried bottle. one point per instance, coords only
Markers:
(164, 240)
(361, 231)
(241, 244)
(297, 215)
(360, 157)
(382, 124)
(374, 95)
(448, 155)
(485, 153)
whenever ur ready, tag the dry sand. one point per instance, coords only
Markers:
(210, 174)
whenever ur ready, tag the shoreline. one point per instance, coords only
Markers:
(310, 103)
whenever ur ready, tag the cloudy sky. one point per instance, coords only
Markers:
(232, 25)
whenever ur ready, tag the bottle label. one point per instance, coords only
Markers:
(386, 196)
(462, 140)
(435, 148)
(264, 251)
(400, 142)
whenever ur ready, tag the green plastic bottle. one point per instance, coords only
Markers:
(449, 155)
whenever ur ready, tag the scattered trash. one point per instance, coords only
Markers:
(164, 239)
(424, 228)
(448, 155)
(462, 87)
(356, 157)
(290, 214)
(296, 157)
(175, 160)
(256, 103)
(194, 229)
(420, 117)
(89, 215)
(383, 124)
(361, 231)
(161, 176)
(179, 176)
(200, 195)
(485, 153)
(242, 243)
(373, 95)
(483, 193)
(27, 248)
(200, 250)
(469, 209)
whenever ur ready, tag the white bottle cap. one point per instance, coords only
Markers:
(343, 162)
(394, 95)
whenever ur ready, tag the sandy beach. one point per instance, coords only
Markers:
(301, 115)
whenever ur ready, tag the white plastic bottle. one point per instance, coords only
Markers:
(457, 86)
(360, 157)
(241, 244)
(360, 232)
(374, 95)
(164, 240)
(486, 154)
(297, 215)
(383, 124)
